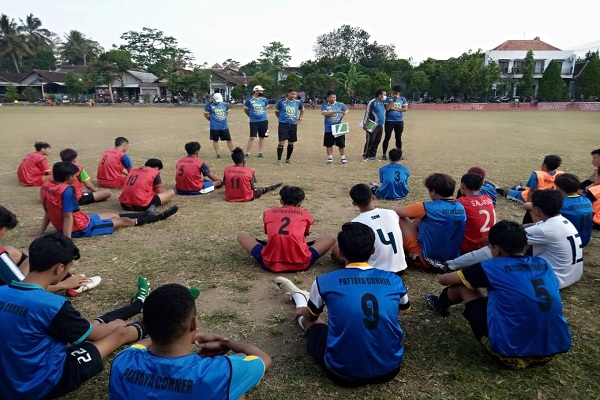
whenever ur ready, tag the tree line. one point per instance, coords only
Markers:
(345, 61)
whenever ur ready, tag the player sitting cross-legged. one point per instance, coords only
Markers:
(34, 169)
(92, 195)
(191, 171)
(286, 228)
(143, 188)
(481, 215)
(240, 181)
(393, 179)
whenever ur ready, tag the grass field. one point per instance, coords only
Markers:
(197, 246)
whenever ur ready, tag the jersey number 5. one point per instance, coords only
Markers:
(541, 291)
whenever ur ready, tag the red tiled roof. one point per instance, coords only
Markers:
(525, 45)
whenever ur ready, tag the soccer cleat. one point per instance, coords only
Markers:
(218, 157)
(517, 186)
(247, 156)
(195, 292)
(372, 158)
(344, 161)
(384, 158)
(278, 162)
(288, 287)
(168, 212)
(275, 185)
(151, 210)
(90, 284)
(143, 290)
(365, 159)
(433, 302)
(438, 265)
(330, 160)
(500, 191)
(261, 155)
(289, 161)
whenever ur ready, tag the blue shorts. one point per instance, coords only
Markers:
(207, 187)
(257, 254)
(96, 227)
(515, 195)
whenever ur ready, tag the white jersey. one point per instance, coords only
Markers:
(389, 252)
(558, 241)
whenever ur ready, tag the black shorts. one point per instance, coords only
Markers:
(287, 132)
(220, 134)
(86, 198)
(155, 202)
(259, 128)
(329, 140)
(83, 362)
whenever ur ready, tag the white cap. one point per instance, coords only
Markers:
(258, 87)
(217, 98)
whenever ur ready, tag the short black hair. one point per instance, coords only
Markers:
(356, 241)
(568, 183)
(51, 249)
(330, 92)
(290, 90)
(510, 236)
(550, 201)
(41, 145)
(237, 155)
(291, 195)
(595, 152)
(68, 155)
(8, 220)
(120, 140)
(154, 163)
(62, 170)
(442, 184)
(552, 161)
(395, 154)
(396, 88)
(380, 91)
(192, 147)
(472, 181)
(361, 194)
(167, 313)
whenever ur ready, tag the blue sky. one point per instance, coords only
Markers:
(217, 30)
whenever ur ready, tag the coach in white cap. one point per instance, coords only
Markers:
(255, 108)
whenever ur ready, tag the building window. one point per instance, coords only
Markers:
(503, 67)
(539, 67)
(518, 67)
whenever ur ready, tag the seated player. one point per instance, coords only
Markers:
(393, 179)
(240, 181)
(143, 188)
(389, 253)
(553, 238)
(114, 165)
(34, 169)
(286, 228)
(362, 343)
(48, 349)
(169, 317)
(433, 229)
(191, 171)
(593, 194)
(481, 215)
(594, 176)
(11, 270)
(60, 208)
(520, 322)
(83, 179)
(488, 187)
(539, 180)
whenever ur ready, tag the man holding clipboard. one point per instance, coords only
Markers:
(335, 127)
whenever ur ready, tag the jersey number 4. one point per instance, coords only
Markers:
(391, 240)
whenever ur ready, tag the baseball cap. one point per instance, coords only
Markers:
(217, 98)
(258, 87)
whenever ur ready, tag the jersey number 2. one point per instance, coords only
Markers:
(286, 221)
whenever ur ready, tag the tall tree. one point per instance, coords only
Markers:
(419, 82)
(588, 81)
(376, 56)
(273, 58)
(38, 38)
(527, 80)
(77, 49)
(552, 86)
(266, 81)
(292, 81)
(12, 43)
(351, 79)
(152, 50)
(346, 42)
(110, 68)
(317, 84)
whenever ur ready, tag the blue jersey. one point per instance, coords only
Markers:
(394, 116)
(579, 211)
(35, 327)
(289, 110)
(490, 190)
(138, 374)
(364, 338)
(524, 310)
(442, 230)
(218, 115)
(257, 108)
(394, 182)
(335, 118)
(375, 112)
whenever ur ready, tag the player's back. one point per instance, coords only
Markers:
(286, 228)
(139, 186)
(110, 166)
(578, 210)
(237, 180)
(442, 230)
(188, 176)
(394, 182)
(31, 169)
(481, 216)
(389, 252)
(51, 195)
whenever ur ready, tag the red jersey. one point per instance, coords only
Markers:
(238, 183)
(110, 169)
(78, 185)
(139, 186)
(286, 249)
(32, 169)
(481, 216)
(188, 174)
(52, 199)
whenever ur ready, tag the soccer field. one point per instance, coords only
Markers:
(197, 246)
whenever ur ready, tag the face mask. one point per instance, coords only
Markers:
(384, 98)
(260, 94)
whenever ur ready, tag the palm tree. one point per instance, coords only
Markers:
(350, 80)
(38, 38)
(78, 49)
(12, 42)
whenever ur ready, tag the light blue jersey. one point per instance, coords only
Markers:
(335, 118)
(257, 108)
(218, 115)
(394, 116)
(289, 110)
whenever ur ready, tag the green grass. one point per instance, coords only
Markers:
(197, 246)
